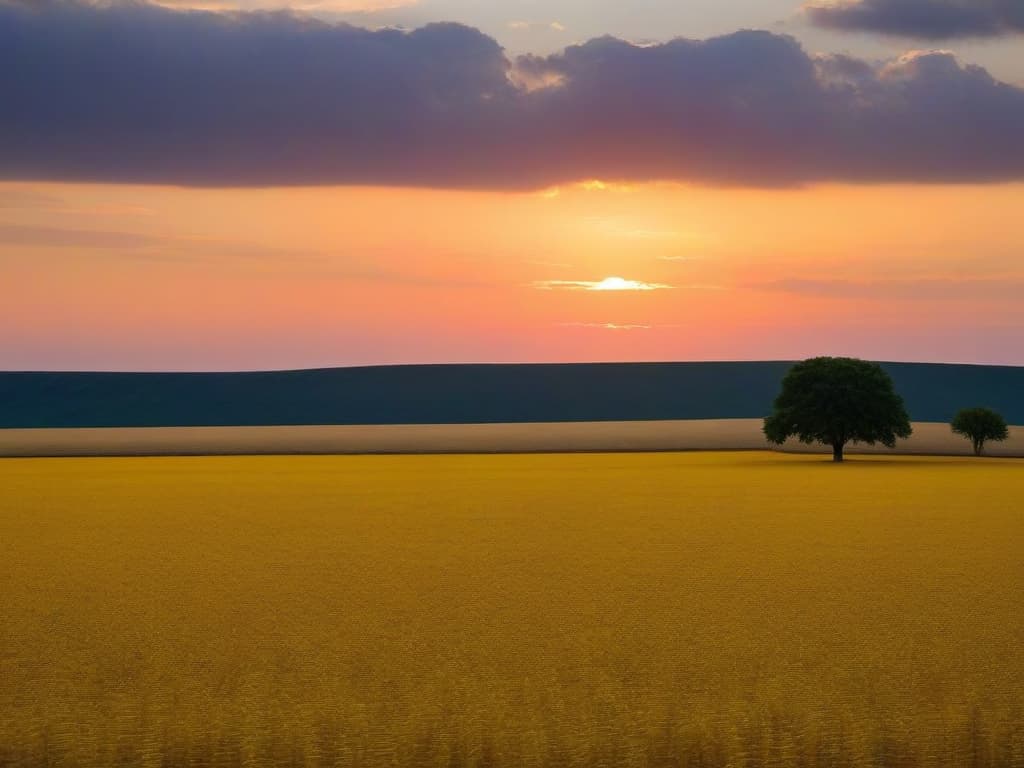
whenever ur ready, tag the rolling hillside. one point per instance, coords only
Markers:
(461, 394)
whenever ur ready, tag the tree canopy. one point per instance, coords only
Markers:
(979, 425)
(835, 401)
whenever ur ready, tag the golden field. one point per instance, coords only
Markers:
(712, 609)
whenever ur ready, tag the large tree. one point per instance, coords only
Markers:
(835, 401)
(980, 425)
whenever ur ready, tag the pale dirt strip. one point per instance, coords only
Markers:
(710, 435)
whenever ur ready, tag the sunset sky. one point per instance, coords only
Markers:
(206, 185)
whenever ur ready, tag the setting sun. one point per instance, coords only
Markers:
(621, 284)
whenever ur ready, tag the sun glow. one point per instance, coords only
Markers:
(608, 284)
(621, 284)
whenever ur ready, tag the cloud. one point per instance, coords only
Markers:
(588, 185)
(28, 199)
(611, 326)
(333, 6)
(52, 237)
(608, 284)
(138, 245)
(129, 92)
(205, 251)
(923, 19)
(929, 289)
(523, 26)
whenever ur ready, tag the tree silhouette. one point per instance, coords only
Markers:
(980, 425)
(835, 401)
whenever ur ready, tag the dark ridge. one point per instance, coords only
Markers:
(465, 394)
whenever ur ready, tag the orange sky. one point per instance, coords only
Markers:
(120, 277)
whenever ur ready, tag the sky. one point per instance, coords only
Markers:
(257, 184)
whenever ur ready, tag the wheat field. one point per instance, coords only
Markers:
(702, 609)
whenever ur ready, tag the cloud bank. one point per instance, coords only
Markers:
(923, 19)
(130, 92)
(335, 6)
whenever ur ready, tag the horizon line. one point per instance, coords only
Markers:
(456, 364)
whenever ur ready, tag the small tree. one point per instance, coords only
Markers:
(837, 400)
(980, 425)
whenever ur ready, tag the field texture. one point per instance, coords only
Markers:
(708, 435)
(575, 610)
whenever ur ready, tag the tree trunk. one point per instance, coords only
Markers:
(979, 447)
(837, 452)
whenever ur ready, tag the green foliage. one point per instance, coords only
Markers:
(837, 400)
(980, 425)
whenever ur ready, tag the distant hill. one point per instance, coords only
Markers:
(460, 394)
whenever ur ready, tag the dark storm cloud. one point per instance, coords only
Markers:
(923, 19)
(133, 92)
